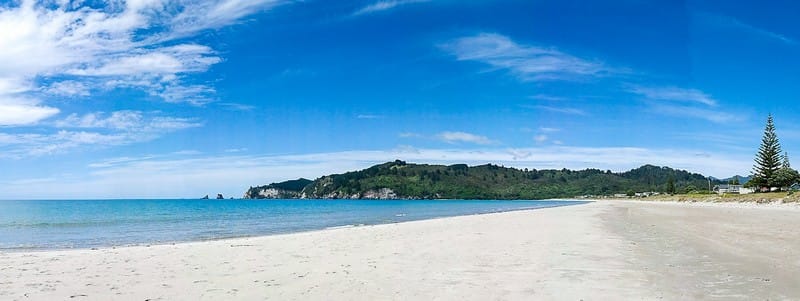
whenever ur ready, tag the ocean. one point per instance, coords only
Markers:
(67, 224)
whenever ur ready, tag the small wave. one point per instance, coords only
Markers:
(400, 215)
(340, 227)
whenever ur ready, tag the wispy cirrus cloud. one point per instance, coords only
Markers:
(546, 97)
(674, 94)
(370, 116)
(410, 135)
(707, 114)
(93, 130)
(545, 129)
(529, 63)
(560, 109)
(734, 23)
(384, 5)
(684, 102)
(126, 120)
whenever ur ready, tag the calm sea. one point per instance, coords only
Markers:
(57, 224)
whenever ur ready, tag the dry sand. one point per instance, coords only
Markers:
(598, 251)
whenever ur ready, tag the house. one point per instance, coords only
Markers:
(794, 187)
(738, 189)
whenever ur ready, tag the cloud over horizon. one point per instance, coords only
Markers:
(159, 176)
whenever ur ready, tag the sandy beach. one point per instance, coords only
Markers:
(608, 250)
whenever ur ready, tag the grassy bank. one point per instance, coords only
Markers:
(770, 197)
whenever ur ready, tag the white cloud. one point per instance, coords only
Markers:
(675, 94)
(67, 88)
(187, 152)
(31, 145)
(384, 5)
(562, 110)
(540, 138)
(527, 62)
(124, 43)
(547, 97)
(116, 120)
(13, 85)
(92, 130)
(712, 115)
(456, 137)
(549, 129)
(22, 111)
(203, 15)
(194, 94)
(166, 61)
(128, 121)
(682, 102)
(369, 116)
(154, 176)
(236, 106)
(410, 135)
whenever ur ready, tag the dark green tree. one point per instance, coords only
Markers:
(671, 185)
(786, 176)
(768, 158)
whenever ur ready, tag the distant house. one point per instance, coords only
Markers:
(794, 187)
(727, 188)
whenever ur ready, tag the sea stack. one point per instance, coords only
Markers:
(220, 197)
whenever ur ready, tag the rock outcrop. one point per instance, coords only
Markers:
(379, 194)
(271, 193)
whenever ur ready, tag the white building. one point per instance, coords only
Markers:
(737, 189)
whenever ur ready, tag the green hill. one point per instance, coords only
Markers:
(399, 179)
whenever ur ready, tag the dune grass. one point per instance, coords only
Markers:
(783, 196)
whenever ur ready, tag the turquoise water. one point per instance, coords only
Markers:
(56, 224)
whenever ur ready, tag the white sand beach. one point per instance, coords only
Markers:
(607, 250)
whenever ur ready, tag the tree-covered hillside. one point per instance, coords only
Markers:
(489, 181)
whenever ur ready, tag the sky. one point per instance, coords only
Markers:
(183, 98)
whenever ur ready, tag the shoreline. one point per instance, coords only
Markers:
(599, 250)
(173, 243)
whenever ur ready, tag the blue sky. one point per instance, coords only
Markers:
(182, 98)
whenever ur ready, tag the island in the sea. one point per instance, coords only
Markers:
(401, 180)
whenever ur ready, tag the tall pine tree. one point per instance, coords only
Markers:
(768, 158)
